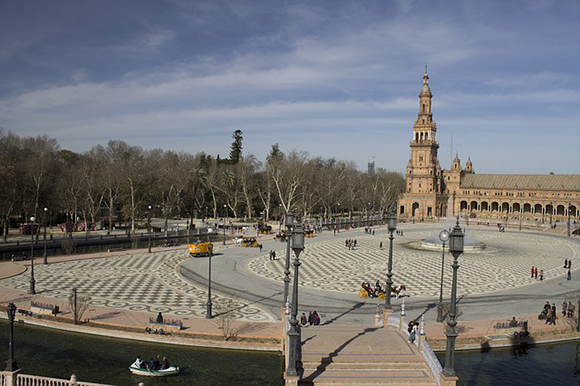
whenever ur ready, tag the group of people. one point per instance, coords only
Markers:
(535, 273)
(568, 309)
(313, 319)
(370, 231)
(568, 265)
(549, 313)
(399, 232)
(272, 255)
(154, 363)
(351, 244)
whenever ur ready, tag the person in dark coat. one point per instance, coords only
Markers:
(303, 320)
(159, 318)
(316, 318)
(310, 318)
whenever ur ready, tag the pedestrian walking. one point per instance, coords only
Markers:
(260, 247)
(303, 320)
(273, 255)
(565, 263)
(310, 318)
(532, 271)
(381, 245)
(541, 274)
(536, 272)
(569, 275)
(270, 255)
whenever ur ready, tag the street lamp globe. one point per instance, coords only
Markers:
(289, 219)
(298, 239)
(456, 240)
(391, 222)
(32, 219)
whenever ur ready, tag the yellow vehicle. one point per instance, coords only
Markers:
(249, 242)
(281, 236)
(200, 249)
(309, 233)
(265, 229)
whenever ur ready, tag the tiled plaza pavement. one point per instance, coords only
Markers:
(505, 264)
(142, 282)
(139, 282)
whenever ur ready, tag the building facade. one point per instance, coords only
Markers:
(432, 192)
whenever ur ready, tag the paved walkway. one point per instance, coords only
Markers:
(128, 287)
(361, 354)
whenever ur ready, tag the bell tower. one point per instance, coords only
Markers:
(424, 171)
(424, 190)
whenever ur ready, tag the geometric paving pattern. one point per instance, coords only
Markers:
(139, 282)
(332, 266)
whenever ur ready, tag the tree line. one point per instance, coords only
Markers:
(120, 182)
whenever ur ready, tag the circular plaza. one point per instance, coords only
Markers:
(246, 283)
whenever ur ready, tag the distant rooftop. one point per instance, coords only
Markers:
(568, 182)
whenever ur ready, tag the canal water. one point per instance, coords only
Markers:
(58, 354)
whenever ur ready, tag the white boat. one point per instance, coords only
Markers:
(153, 373)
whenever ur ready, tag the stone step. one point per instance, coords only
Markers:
(362, 358)
(364, 365)
(375, 377)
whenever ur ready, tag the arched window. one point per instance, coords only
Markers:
(423, 107)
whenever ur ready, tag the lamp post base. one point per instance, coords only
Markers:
(440, 313)
(448, 381)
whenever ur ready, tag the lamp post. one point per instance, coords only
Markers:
(149, 230)
(443, 236)
(45, 258)
(226, 215)
(32, 290)
(568, 220)
(208, 304)
(456, 249)
(294, 333)
(11, 362)
(289, 225)
(392, 226)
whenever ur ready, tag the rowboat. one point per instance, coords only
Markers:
(153, 373)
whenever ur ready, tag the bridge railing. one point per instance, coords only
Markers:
(9, 378)
(425, 349)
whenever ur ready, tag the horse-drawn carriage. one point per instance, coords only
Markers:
(264, 229)
(281, 236)
(379, 292)
(249, 242)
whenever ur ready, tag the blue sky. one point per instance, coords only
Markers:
(332, 78)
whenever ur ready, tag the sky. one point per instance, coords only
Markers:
(336, 79)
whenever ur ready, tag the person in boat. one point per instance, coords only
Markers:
(166, 364)
(152, 364)
(139, 362)
(156, 363)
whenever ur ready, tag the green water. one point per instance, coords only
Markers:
(550, 365)
(58, 354)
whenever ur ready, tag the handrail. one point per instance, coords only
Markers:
(18, 379)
